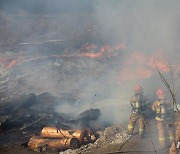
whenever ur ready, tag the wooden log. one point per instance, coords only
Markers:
(62, 144)
(40, 144)
(37, 143)
(52, 132)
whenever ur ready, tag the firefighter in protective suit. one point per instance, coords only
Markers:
(138, 102)
(175, 147)
(163, 108)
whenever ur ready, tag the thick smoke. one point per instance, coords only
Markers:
(149, 30)
(143, 25)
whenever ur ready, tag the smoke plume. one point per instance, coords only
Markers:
(98, 72)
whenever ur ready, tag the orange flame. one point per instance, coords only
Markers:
(11, 64)
(92, 51)
(7, 63)
(120, 46)
(139, 66)
(92, 55)
(158, 60)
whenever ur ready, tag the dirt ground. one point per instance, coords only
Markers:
(113, 140)
(132, 144)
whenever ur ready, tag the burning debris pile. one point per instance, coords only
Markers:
(32, 123)
(31, 113)
(66, 67)
(110, 140)
(26, 110)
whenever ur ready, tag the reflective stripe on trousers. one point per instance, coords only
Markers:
(133, 119)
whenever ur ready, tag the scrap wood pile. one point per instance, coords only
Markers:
(30, 108)
(59, 139)
(29, 115)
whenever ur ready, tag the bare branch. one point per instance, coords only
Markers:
(172, 92)
(172, 78)
(179, 86)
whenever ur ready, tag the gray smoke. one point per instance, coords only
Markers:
(145, 27)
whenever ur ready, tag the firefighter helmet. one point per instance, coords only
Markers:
(138, 89)
(160, 92)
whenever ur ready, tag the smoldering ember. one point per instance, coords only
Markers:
(91, 76)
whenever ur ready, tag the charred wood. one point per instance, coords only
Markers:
(66, 143)
(52, 132)
(39, 144)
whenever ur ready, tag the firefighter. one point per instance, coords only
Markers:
(163, 109)
(175, 147)
(138, 102)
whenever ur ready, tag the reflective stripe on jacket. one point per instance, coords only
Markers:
(162, 109)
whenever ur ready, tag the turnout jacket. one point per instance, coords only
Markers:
(138, 103)
(163, 109)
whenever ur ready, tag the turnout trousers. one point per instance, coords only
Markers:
(165, 133)
(132, 122)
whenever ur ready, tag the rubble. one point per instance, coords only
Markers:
(29, 108)
(110, 137)
(55, 131)
(115, 134)
(30, 113)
